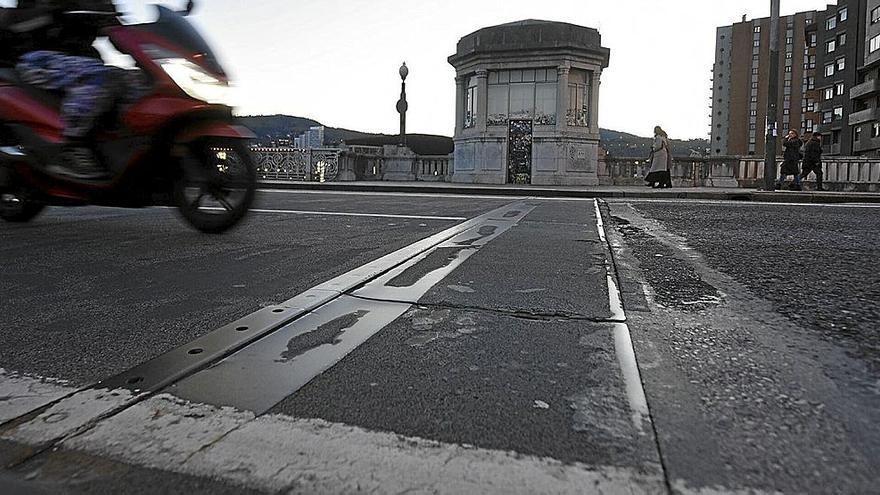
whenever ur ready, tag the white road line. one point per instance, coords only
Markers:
(23, 393)
(400, 194)
(279, 453)
(344, 214)
(623, 345)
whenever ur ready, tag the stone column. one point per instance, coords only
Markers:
(460, 88)
(482, 110)
(595, 77)
(562, 97)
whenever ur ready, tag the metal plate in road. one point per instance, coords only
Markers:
(264, 373)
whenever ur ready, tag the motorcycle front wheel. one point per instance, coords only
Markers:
(18, 208)
(216, 185)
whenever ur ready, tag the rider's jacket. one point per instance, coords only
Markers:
(42, 25)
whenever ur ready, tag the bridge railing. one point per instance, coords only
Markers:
(433, 168)
(841, 173)
(297, 165)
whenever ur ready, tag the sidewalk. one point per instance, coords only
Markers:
(608, 192)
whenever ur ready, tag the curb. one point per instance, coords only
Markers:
(543, 192)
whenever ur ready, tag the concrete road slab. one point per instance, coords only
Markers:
(551, 263)
(543, 387)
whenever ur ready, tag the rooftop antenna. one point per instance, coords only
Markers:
(744, 17)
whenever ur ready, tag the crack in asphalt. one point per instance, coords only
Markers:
(519, 314)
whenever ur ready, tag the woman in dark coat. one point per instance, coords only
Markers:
(661, 159)
(791, 159)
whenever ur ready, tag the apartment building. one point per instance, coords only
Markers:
(740, 82)
(865, 119)
(840, 33)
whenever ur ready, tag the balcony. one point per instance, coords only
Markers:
(867, 88)
(862, 116)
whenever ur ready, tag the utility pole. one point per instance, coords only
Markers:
(772, 100)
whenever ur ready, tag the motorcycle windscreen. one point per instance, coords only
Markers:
(175, 28)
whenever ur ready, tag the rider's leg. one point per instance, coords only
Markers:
(87, 97)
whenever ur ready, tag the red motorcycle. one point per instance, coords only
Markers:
(177, 145)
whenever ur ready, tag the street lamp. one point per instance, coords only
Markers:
(772, 100)
(402, 105)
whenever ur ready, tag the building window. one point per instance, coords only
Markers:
(787, 84)
(839, 88)
(875, 129)
(789, 41)
(841, 64)
(830, 23)
(755, 85)
(838, 113)
(810, 62)
(811, 82)
(829, 70)
(835, 137)
(842, 14)
(753, 113)
(788, 55)
(754, 99)
(470, 110)
(830, 46)
(786, 111)
(857, 133)
(757, 29)
(754, 70)
(875, 15)
(755, 57)
(828, 94)
(757, 43)
(875, 43)
(811, 40)
(827, 117)
(787, 68)
(578, 98)
(841, 39)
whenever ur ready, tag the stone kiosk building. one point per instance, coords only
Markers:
(527, 100)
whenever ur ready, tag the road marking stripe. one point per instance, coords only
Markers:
(280, 454)
(623, 345)
(21, 393)
(345, 214)
(399, 194)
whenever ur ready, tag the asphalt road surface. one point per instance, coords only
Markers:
(341, 343)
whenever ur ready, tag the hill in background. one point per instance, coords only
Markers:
(271, 128)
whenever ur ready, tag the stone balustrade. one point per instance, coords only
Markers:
(393, 163)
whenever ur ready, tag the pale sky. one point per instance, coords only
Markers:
(336, 61)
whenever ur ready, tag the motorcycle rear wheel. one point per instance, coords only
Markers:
(216, 185)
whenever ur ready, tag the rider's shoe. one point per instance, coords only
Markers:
(79, 162)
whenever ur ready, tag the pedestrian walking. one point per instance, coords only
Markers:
(813, 160)
(661, 161)
(791, 159)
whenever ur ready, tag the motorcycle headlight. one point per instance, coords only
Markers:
(197, 82)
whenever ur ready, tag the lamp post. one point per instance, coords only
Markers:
(772, 100)
(402, 105)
